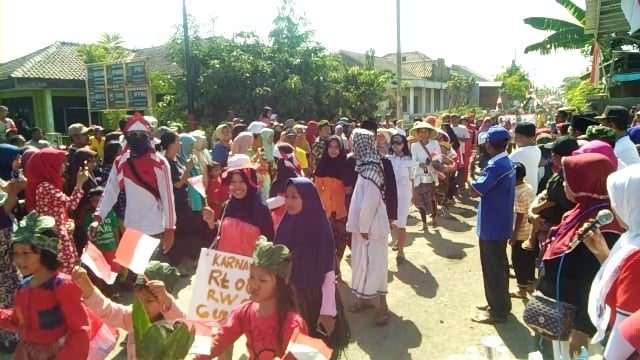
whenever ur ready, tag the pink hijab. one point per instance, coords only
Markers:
(598, 147)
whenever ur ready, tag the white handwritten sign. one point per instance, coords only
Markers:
(220, 285)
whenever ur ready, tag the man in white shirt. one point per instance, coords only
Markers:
(527, 153)
(427, 153)
(617, 118)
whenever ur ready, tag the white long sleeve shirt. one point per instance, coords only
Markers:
(143, 211)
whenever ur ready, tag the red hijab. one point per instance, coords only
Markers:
(43, 166)
(586, 177)
(312, 132)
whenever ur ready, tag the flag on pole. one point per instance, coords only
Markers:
(595, 63)
(303, 347)
(135, 250)
(93, 258)
(198, 184)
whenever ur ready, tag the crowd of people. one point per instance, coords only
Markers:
(294, 195)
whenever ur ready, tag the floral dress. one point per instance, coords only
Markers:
(53, 202)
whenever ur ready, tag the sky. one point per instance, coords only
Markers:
(484, 36)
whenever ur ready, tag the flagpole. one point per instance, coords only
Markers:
(399, 66)
(187, 58)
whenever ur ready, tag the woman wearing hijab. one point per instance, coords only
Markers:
(614, 293)
(222, 145)
(585, 185)
(10, 280)
(242, 144)
(202, 157)
(44, 194)
(186, 154)
(286, 168)
(245, 217)
(368, 224)
(598, 147)
(312, 272)
(330, 180)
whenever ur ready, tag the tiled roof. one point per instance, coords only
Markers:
(380, 64)
(60, 61)
(57, 61)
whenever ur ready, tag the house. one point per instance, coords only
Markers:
(47, 87)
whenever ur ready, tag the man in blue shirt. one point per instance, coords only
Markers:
(496, 188)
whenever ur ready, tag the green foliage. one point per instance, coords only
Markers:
(167, 109)
(159, 341)
(576, 92)
(290, 72)
(110, 118)
(459, 88)
(108, 49)
(515, 83)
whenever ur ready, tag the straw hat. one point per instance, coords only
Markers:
(422, 125)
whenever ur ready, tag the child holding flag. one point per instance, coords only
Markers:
(271, 317)
(152, 289)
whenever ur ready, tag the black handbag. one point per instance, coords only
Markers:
(548, 317)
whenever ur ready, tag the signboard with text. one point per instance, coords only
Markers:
(220, 285)
(117, 86)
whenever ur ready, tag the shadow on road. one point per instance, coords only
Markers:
(512, 333)
(420, 280)
(375, 341)
(441, 246)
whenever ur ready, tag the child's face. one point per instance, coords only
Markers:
(262, 285)
(151, 304)
(216, 171)
(94, 200)
(26, 260)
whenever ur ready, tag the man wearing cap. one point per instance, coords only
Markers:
(496, 187)
(6, 123)
(579, 125)
(145, 177)
(617, 118)
(79, 135)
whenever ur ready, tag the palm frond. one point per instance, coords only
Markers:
(566, 40)
(550, 24)
(577, 12)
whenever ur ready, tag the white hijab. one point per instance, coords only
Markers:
(623, 187)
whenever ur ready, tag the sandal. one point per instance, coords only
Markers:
(382, 319)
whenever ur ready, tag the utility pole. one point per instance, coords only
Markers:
(187, 58)
(399, 67)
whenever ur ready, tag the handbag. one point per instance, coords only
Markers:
(441, 175)
(550, 318)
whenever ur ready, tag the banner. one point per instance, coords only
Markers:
(219, 285)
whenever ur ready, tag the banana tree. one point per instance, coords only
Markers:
(566, 35)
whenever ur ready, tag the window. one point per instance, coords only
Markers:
(405, 105)
(436, 100)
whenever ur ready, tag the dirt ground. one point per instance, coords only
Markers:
(432, 297)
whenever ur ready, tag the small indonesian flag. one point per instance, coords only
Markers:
(198, 184)
(135, 250)
(303, 347)
(204, 336)
(93, 258)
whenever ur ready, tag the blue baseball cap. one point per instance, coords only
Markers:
(497, 134)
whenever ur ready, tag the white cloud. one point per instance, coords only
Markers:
(482, 35)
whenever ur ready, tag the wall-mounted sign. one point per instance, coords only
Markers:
(117, 86)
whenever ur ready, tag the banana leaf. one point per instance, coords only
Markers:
(141, 322)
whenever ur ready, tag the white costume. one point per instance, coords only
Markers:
(404, 168)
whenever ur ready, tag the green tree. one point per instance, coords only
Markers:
(576, 91)
(109, 48)
(515, 83)
(459, 89)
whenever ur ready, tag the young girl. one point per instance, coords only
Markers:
(44, 194)
(270, 318)
(404, 168)
(48, 314)
(149, 290)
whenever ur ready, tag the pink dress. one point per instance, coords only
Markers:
(53, 202)
(261, 332)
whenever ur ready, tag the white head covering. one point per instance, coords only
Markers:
(623, 187)
(256, 127)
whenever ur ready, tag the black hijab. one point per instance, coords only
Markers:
(333, 167)
(250, 209)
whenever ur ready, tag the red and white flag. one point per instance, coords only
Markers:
(135, 250)
(304, 347)
(198, 184)
(93, 258)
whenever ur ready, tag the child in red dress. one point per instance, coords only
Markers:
(48, 315)
(270, 318)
